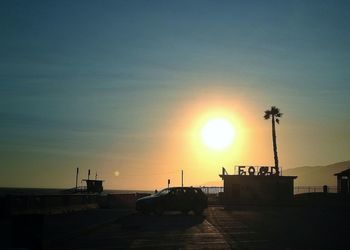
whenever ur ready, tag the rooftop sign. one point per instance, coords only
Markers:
(257, 170)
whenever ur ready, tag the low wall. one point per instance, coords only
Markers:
(121, 200)
(33, 204)
(49, 203)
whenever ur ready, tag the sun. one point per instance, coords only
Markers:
(218, 134)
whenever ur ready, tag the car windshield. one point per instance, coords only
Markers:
(163, 192)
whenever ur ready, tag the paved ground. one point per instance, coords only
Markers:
(169, 231)
(56, 228)
(249, 228)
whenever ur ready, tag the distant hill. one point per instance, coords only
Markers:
(308, 176)
(317, 175)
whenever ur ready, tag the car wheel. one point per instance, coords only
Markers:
(159, 210)
(198, 210)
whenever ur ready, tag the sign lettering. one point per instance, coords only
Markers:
(258, 170)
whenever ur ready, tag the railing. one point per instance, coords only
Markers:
(297, 189)
(212, 190)
(314, 189)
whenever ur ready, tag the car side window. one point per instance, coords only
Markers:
(179, 192)
(164, 192)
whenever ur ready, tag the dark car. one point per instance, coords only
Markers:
(184, 199)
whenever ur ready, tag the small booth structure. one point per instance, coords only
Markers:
(257, 185)
(343, 182)
(93, 186)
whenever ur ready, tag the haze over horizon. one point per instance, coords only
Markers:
(124, 88)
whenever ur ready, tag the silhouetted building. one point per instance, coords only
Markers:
(257, 185)
(93, 186)
(343, 182)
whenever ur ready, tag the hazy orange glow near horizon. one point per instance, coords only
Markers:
(189, 144)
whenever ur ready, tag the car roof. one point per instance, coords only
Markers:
(182, 188)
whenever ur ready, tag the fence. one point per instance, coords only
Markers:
(313, 189)
(297, 189)
(212, 190)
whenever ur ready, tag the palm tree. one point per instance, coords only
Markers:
(274, 114)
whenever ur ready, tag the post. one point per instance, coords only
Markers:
(76, 179)
(325, 189)
(182, 178)
(89, 174)
(168, 183)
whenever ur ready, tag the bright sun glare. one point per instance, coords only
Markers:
(218, 134)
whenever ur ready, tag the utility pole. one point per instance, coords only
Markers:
(76, 179)
(168, 183)
(182, 178)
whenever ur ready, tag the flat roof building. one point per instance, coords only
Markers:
(257, 185)
(343, 182)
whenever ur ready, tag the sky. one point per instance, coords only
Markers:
(124, 87)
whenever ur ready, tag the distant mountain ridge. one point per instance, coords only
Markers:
(309, 175)
(317, 175)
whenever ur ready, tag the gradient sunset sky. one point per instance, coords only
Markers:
(124, 87)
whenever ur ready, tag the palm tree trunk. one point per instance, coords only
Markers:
(274, 142)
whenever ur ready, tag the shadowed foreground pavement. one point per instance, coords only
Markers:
(269, 228)
(171, 230)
